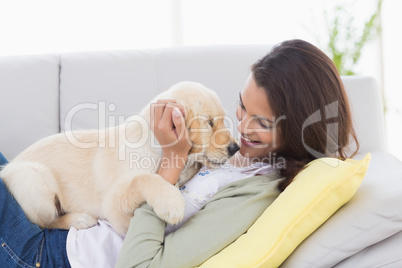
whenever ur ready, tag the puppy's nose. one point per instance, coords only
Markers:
(233, 148)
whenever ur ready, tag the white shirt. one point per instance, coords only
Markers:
(100, 245)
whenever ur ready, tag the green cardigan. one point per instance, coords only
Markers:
(229, 214)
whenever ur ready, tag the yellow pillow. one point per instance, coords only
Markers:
(316, 193)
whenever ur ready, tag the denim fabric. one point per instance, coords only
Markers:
(3, 160)
(24, 244)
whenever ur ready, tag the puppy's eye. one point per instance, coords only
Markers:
(211, 123)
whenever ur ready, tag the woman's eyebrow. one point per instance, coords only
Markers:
(255, 116)
(263, 118)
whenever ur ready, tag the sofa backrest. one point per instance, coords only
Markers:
(42, 95)
(29, 101)
(130, 79)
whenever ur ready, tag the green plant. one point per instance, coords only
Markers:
(345, 45)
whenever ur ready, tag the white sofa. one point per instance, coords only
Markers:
(45, 94)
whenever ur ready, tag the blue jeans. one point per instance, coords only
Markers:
(24, 244)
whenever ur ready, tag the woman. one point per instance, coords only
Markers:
(286, 109)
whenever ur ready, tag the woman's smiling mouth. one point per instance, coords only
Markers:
(248, 142)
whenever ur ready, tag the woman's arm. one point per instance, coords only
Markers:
(224, 218)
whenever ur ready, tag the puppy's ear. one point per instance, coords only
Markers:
(190, 117)
(193, 125)
(192, 111)
(188, 114)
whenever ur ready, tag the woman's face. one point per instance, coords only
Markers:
(257, 123)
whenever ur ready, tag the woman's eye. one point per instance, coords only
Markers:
(241, 105)
(262, 124)
(211, 123)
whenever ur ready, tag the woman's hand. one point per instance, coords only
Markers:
(169, 128)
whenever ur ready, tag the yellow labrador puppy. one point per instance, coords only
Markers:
(60, 183)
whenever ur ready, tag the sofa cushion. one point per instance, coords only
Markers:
(386, 253)
(373, 214)
(316, 193)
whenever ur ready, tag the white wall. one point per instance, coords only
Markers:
(52, 26)
(44, 26)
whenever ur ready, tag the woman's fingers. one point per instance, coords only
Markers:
(157, 111)
(162, 109)
(166, 124)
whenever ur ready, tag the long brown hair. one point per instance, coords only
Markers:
(303, 84)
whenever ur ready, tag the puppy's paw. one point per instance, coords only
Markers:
(83, 221)
(169, 205)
